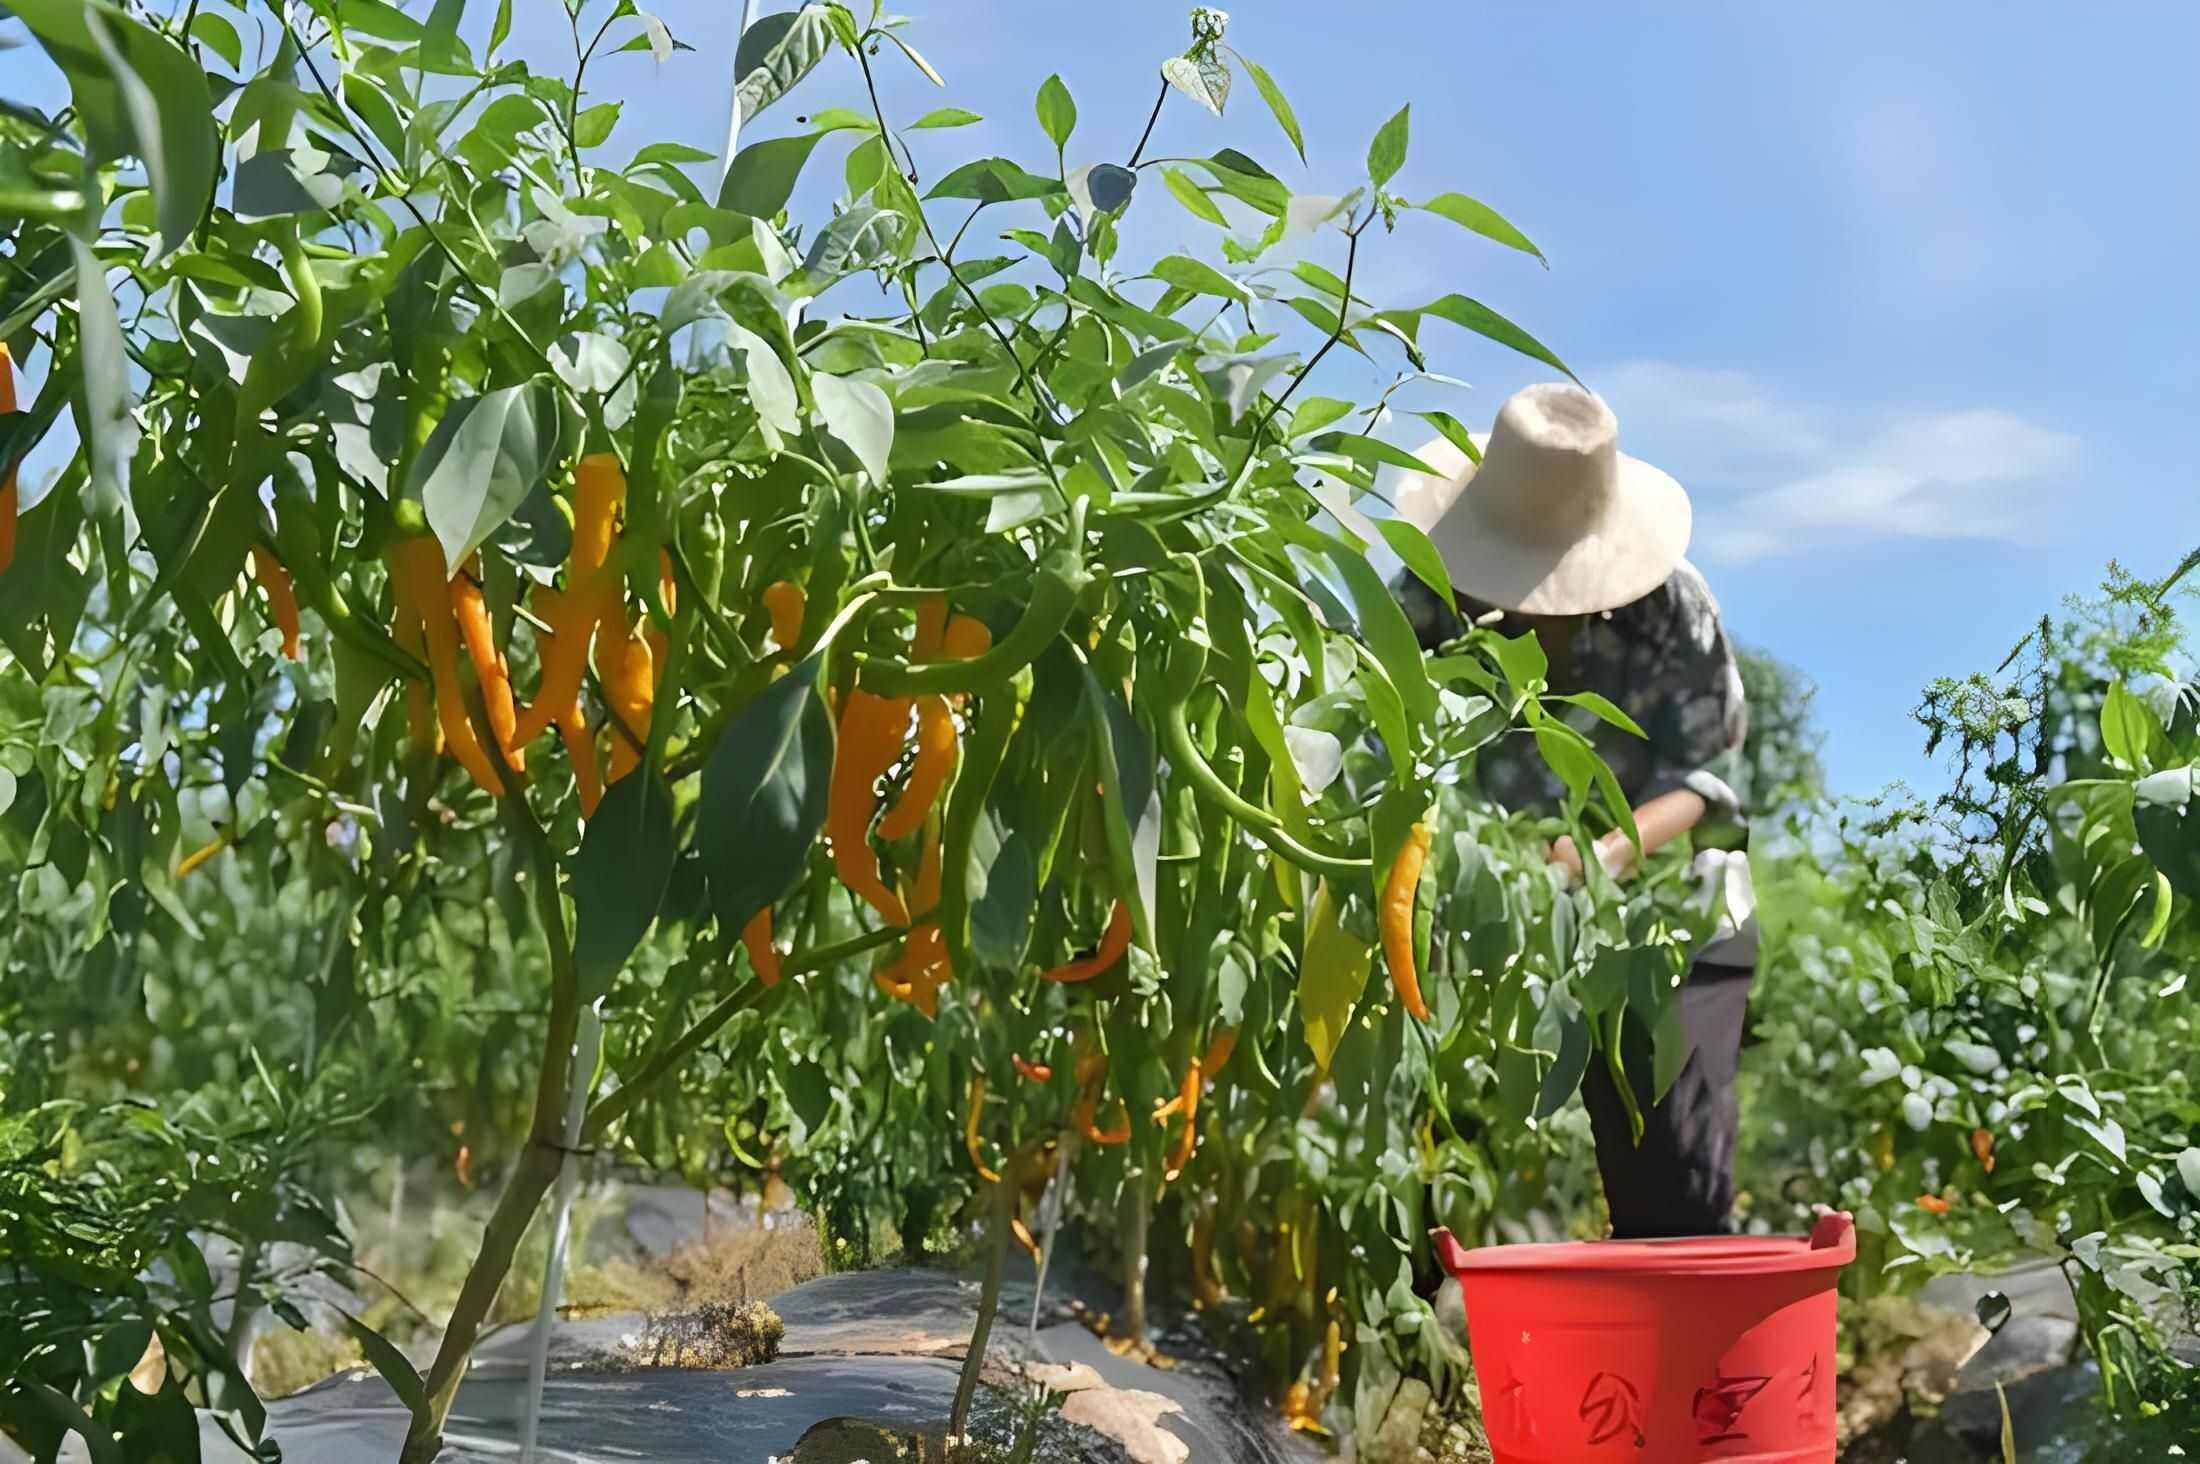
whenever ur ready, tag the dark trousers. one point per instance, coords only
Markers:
(1680, 1179)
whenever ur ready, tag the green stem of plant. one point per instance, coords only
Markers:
(989, 1302)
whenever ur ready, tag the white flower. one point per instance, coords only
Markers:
(1917, 1111)
(2170, 788)
(1977, 1056)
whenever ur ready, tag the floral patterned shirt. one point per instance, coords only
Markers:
(1663, 660)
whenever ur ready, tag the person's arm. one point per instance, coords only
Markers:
(1660, 821)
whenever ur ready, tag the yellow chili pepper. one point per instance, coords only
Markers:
(591, 593)
(1397, 920)
(970, 1131)
(580, 751)
(871, 731)
(756, 938)
(490, 670)
(785, 602)
(928, 770)
(417, 563)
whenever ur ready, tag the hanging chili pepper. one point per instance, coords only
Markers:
(756, 939)
(1982, 1148)
(199, 856)
(580, 751)
(1399, 891)
(970, 1131)
(627, 670)
(417, 564)
(1113, 944)
(784, 600)
(966, 639)
(1081, 1117)
(1037, 1072)
(1934, 1204)
(423, 733)
(931, 627)
(929, 770)
(1219, 1049)
(7, 470)
(471, 612)
(591, 593)
(1017, 1228)
(282, 601)
(1187, 1095)
(871, 731)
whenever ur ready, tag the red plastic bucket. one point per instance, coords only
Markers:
(1656, 1352)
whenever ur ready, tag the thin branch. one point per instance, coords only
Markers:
(1144, 137)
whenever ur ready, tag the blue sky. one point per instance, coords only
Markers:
(1902, 293)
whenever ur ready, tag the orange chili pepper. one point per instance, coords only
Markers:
(282, 600)
(931, 627)
(7, 472)
(626, 668)
(966, 639)
(1017, 1228)
(599, 492)
(580, 751)
(1982, 1148)
(1219, 1048)
(490, 669)
(971, 1140)
(785, 602)
(756, 939)
(1081, 1115)
(1037, 1072)
(1113, 944)
(418, 564)
(871, 730)
(928, 770)
(1933, 1205)
(1397, 920)
(423, 732)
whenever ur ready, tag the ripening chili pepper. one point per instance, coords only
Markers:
(1113, 944)
(756, 939)
(970, 1131)
(1017, 1228)
(417, 563)
(199, 856)
(580, 751)
(966, 639)
(871, 732)
(1397, 920)
(471, 612)
(1933, 1205)
(929, 770)
(1219, 1048)
(591, 593)
(625, 666)
(931, 627)
(464, 1166)
(784, 600)
(7, 471)
(423, 733)
(282, 601)
(1081, 1116)
(1982, 1148)
(1037, 1072)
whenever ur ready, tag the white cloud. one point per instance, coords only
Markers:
(1774, 477)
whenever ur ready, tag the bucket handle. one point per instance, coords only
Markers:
(1835, 1230)
(1449, 1250)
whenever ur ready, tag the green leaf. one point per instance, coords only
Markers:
(1247, 181)
(1470, 213)
(1333, 972)
(763, 798)
(1454, 432)
(396, 1369)
(763, 174)
(2130, 731)
(104, 423)
(501, 29)
(1130, 803)
(1475, 316)
(861, 418)
(140, 95)
(1057, 111)
(483, 459)
(917, 60)
(1387, 154)
(1603, 708)
(1273, 96)
(775, 54)
(672, 152)
(1566, 1071)
(1569, 756)
(592, 127)
(283, 182)
(1371, 450)
(994, 180)
(947, 117)
(1312, 414)
(771, 385)
(1388, 634)
(1419, 556)
(220, 37)
(862, 238)
(1193, 197)
(441, 51)
(2170, 836)
(1187, 273)
(620, 876)
(1098, 189)
(1672, 1046)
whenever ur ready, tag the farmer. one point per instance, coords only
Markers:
(1559, 533)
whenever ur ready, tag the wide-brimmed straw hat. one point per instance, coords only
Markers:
(1556, 520)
